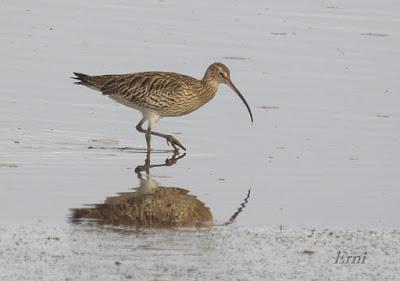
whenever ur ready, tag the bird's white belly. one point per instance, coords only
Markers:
(151, 116)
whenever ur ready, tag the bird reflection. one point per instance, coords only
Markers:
(151, 205)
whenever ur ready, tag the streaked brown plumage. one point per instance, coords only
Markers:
(161, 94)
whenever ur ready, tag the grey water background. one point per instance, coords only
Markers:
(321, 78)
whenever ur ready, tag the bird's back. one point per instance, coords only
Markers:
(166, 93)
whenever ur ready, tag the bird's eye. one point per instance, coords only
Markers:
(221, 73)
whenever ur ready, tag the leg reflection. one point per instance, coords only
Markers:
(170, 161)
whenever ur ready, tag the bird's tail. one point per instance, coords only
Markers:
(83, 79)
(95, 82)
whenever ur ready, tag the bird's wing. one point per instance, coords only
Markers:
(145, 88)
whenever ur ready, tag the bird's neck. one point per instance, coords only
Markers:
(210, 87)
(210, 83)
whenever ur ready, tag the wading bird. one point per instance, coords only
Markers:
(161, 94)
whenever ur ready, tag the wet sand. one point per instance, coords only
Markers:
(85, 252)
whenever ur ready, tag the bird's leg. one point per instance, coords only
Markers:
(146, 132)
(139, 126)
(148, 139)
(170, 139)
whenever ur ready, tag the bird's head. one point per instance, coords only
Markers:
(219, 73)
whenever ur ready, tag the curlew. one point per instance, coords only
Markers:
(161, 94)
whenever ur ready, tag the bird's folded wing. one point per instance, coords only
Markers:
(149, 82)
(138, 87)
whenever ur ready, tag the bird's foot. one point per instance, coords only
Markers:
(174, 159)
(171, 140)
(140, 168)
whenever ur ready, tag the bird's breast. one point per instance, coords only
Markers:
(189, 101)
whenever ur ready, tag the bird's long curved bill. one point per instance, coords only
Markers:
(230, 84)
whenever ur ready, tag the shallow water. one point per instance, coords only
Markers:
(321, 78)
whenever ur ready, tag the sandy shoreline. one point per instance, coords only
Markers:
(84, 252)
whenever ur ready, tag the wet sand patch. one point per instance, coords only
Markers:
(267, 107)
(375, 34)
(8, 165)
(235, 58)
